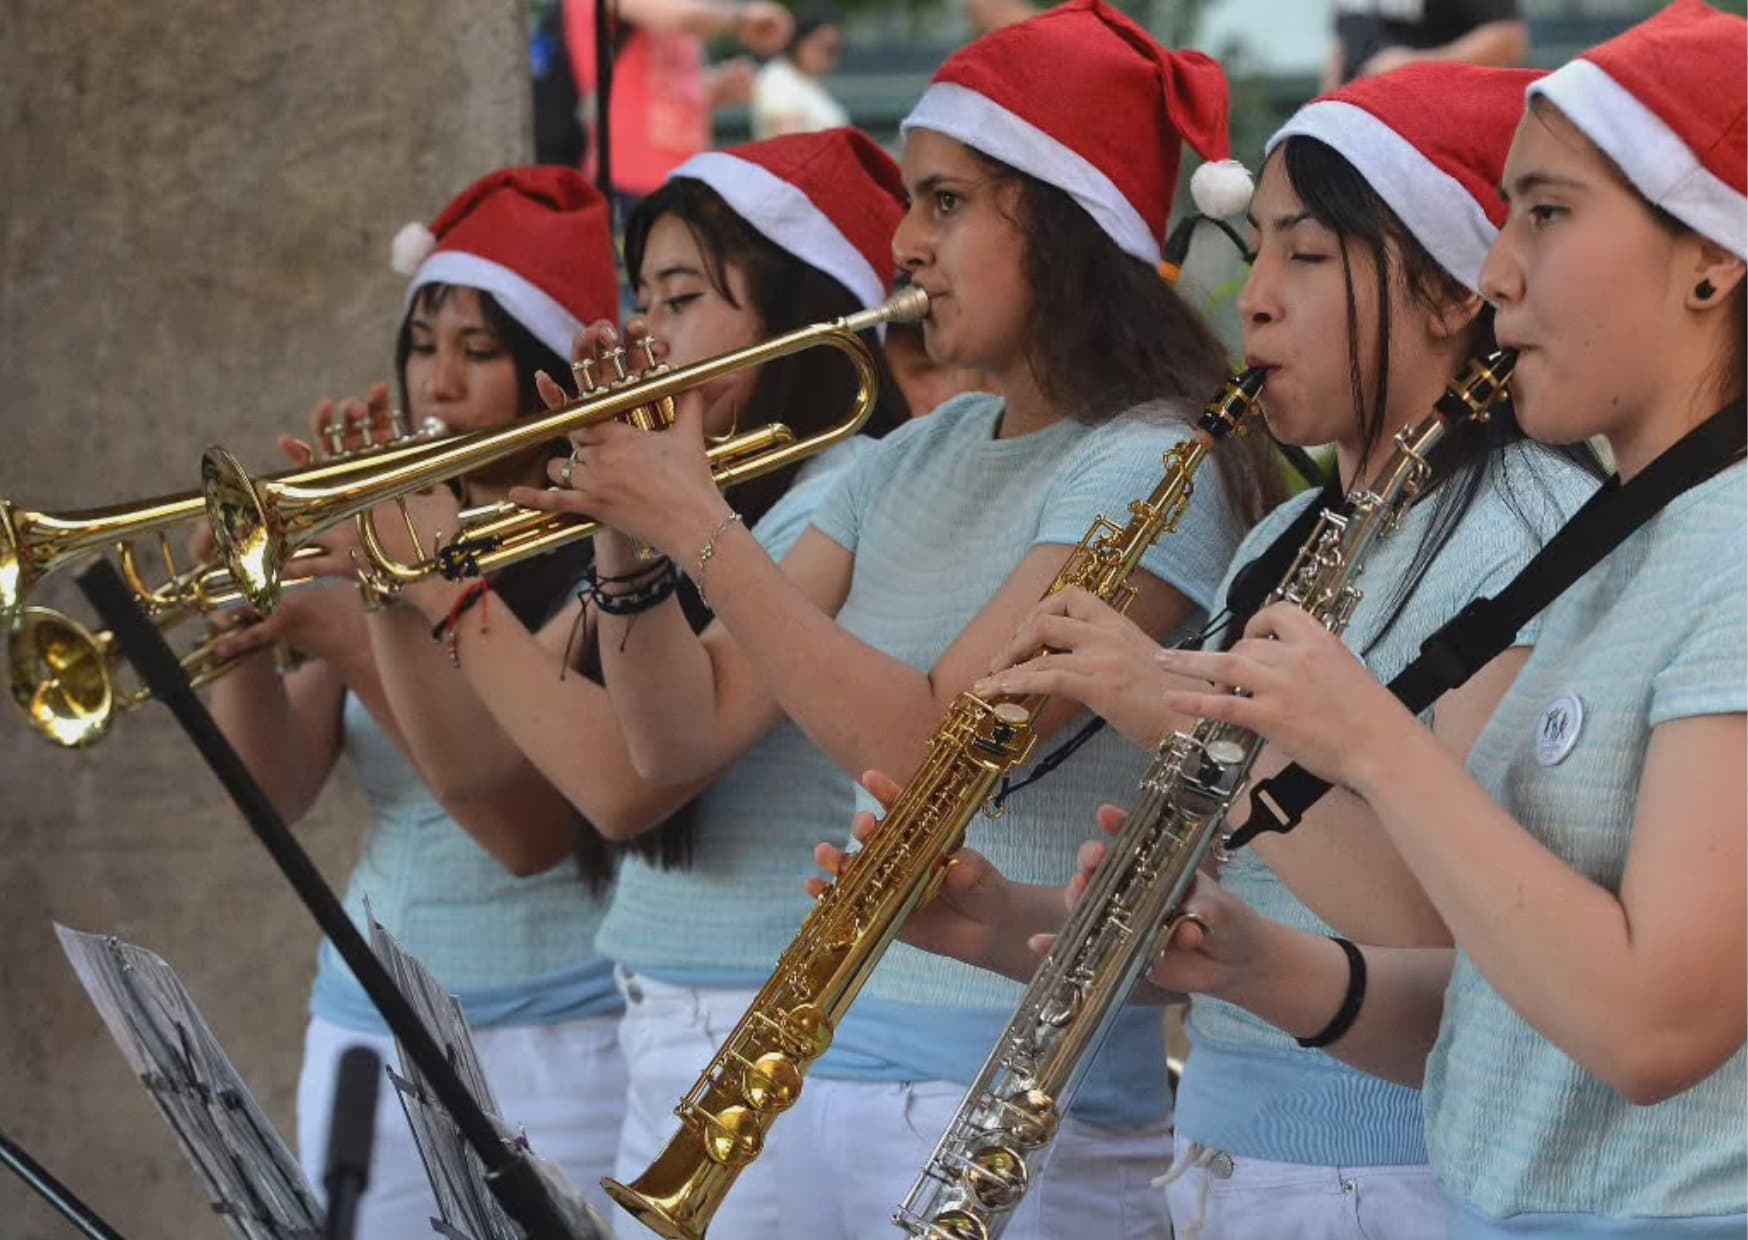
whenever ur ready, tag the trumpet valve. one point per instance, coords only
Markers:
(398, 431)
(334, 436)
(584, 373)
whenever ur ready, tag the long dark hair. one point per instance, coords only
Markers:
(1106, 333)
(525, 349)
(1334, 193)
(535, 590)
(806, 391)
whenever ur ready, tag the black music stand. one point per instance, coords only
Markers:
(511, 1174)
(51, 1190)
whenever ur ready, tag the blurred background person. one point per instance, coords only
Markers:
(1376, 36)
(663, 91)
(789, 93)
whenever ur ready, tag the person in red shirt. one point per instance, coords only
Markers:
(663, 92)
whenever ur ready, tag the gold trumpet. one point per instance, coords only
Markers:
(62, 675)
(36, 544)
(260, 523)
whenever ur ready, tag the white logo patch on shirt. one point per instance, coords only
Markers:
(1558, 730)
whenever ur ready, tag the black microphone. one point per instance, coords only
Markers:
(351, 1130)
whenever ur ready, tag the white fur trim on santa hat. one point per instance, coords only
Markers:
(1654, 157)
(979, 122)
(412, 245)
(787, 218)
(1221, 188)
(1441, 213)
(547, 320)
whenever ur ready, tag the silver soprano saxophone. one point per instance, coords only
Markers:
(1002, 1132)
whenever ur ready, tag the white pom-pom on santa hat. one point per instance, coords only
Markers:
(1222, 188)
(412, 245)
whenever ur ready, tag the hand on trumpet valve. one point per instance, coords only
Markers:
(654, 487)
(352, 425)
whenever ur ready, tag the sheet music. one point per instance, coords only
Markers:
(458, 1177)
(246, 1168)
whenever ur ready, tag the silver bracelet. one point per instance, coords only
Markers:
(707, 552)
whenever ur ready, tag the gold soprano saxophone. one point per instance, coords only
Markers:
(997, 1141)
(758, 1072)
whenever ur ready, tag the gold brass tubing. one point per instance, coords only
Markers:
(259, 523)
(35, 544)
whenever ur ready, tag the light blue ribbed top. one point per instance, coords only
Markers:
(724, 920)
(1248, 1088)
(1656, 632)
(938, 518)
(513, 950)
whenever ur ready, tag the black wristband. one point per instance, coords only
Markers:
(1344, 1016)
(649, 587)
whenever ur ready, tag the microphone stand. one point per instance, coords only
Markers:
(54, 1192)
(351, 1132)
(511, 1176)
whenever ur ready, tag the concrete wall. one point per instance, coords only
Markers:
(196, 200)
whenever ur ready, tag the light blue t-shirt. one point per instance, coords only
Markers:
(1517, 1130)
(938, 518)
(1248, 1088)
(515, 951)
(724, 920)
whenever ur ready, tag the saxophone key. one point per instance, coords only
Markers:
(772, 1082)
(996, 1176)
(1030, 1118)
(956, 1225)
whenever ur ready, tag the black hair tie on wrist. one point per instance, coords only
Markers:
(1344, 1016)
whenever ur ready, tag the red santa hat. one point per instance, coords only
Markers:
(1087, 101)
(833, 199)
(1666, 101)
(539, 240)
(1431, 139)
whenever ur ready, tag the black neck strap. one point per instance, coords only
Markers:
(1487, 626)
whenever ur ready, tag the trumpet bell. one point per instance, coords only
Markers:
(247, 528)
(11, 564)
(59, 676)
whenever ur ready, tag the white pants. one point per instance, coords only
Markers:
(1216, 1196)
(842, 1159)
(668, 1035)
(563, 1084)
(864, 1143)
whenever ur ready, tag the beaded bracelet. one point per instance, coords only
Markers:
(445, 632)
(644, 589)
